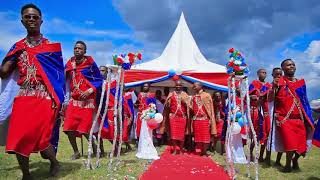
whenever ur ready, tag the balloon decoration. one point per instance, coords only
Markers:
(126, 60)
(153, 119)
(171, 73)
(158, 117)
(176, 77)
(179, 72)
(236, 128)
(152, 123)
(237, 64)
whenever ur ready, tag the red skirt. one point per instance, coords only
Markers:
(219, 126)
(177, 128)
(255, 119)
(31, 124)
(293, 135)
(266, 129)
(78, 119)
(201, 130)
(125, 131)
(138, 125)
(108, 133)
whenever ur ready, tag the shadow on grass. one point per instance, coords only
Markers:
(40, 170)
(313, 178)
(264, 165)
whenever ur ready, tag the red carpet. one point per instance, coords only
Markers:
(184, 167)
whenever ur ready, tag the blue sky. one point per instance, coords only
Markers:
(265, 31)
(99, 23)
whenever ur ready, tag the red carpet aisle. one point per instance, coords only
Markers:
(186, 166)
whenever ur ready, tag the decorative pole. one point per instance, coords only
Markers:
(121, 113)
(95, 121)
(238, 71)
(123, 62)
(103, 115)
(253, 131)
(115, 117)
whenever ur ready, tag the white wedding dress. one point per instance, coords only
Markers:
(146, 149)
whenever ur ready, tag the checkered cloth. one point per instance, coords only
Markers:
(177, 128)
(201, 129)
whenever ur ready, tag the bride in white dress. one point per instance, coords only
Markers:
(146, 149)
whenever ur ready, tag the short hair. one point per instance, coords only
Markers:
(84, 44)
(103, 66)
(159, 92)
(216, 92)
(276, 68)
(282, 63)
(30, 6)
(261, 69)
(197, 82)
(147, 84)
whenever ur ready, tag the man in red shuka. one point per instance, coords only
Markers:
(85, 82)
(294, 120)
(176, 116)
(258, 90)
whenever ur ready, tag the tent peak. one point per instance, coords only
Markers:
(181, 53)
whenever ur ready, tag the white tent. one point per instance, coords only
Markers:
(183, 57)
(181, 54)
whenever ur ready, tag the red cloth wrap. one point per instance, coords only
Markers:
(263, 104)
(78, 119)
(201, 130)
(293, 134)
(177, 127)
(31, 124)
(293, 130)
(219, 126)
(108, 133)
(177, 120)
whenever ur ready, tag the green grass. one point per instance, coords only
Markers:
(132, 167)
(310, 168)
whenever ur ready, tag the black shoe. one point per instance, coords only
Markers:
(260, 160)
(75, 156)
(54, 169)
(295, 165)
(27, 177)
(286, 169)
(277, 164)
(268, 162)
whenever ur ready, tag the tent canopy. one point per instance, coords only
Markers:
(182, 57)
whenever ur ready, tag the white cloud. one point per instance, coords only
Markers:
(313, 51)
(60, 26)
(11, 30)
(307, 68)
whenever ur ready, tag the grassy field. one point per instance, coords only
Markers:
(131, 167)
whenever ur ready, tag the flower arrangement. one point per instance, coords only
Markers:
(236, 64)
(153, 119)
(126, 60)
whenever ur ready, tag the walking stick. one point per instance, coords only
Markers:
(272, 123)
(81, 145)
